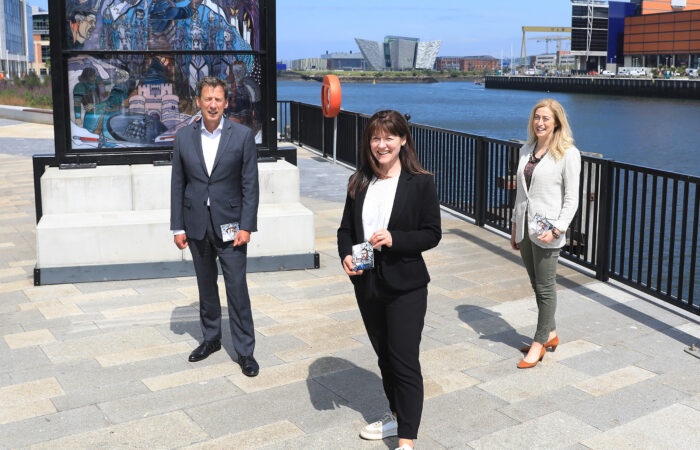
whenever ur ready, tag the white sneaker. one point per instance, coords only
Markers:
(386, 427)
(404, 447)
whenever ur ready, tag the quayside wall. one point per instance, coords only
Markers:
(644, 87)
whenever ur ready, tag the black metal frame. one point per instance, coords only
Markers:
(135, 155)
(656, 252)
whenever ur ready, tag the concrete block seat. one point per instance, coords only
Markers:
(113, 222)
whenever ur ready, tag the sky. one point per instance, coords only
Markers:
(309, 28)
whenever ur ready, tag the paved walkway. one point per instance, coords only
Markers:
(101, 365)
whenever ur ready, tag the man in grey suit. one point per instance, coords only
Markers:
(215, 184)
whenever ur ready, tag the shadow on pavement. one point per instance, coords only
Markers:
(355, 388)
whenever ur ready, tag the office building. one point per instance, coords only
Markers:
(467, 63)
(589, 34)
(665, 39)
(42, 51)
(399, 53)
(16, 49)
(662, 6)
(344, 61)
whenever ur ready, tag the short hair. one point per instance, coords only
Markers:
(212, 82)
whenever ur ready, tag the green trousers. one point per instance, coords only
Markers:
(541, 266)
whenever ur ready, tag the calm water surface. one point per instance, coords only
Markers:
(653, 132)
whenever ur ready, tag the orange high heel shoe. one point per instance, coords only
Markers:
(526, 365)
(554, 343)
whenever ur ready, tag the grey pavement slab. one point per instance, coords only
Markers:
(51, 426)
(623, 405)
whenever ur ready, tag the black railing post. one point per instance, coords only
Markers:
(480, 182)
(357, 141)
(603, 252)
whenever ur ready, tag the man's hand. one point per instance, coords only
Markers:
(348, 266)
(242, 238)
(180, 241)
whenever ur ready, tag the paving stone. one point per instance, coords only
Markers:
(26, 400)
(167, 430)
(51, 426)
(273, 434)
(463, 428)
(254, 410)
(28, 338)
(553, 430)
(544, 404)
(154, 403)
(623, 405)
(23, 358)
(683, 378)
(340, 436)
(675, 426)
(99, 345)
(603, 360)
(283, 374)
(524, 384)
(612, 381)
(454, 358)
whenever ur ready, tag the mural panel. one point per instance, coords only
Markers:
(141, 100)
(168, 25)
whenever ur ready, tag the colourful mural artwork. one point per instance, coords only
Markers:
(139, 98)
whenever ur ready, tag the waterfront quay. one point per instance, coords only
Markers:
(105, 364)
(644, 87)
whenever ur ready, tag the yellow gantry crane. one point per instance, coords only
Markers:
(523, 47)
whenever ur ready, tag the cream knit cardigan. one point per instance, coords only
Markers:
(553, 193)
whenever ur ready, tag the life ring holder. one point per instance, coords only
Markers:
(330, 96)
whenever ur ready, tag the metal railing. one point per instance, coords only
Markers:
(634, 224)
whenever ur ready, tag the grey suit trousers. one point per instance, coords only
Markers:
(233, 265)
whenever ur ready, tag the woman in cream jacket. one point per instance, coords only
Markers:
(547, 185)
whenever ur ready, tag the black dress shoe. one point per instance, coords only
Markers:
(249, 365)
(204, 350)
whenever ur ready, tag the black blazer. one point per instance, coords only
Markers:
(414, 226)
(232, 187)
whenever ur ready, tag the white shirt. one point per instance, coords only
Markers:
(210, 145)
(379, 201)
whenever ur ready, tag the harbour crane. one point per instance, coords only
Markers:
(523, 49)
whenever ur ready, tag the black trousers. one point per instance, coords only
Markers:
(394, 323)
(233, 265)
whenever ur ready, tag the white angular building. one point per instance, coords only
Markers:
(399, 53)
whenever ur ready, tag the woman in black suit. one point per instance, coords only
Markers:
(392, 204)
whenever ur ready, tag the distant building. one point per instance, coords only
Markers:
(42, 51)
(307, 64)
(16, 49)
(662, 6)
(665, 39)
(399, 53)
(344, 61)
(589, 33)
(467, 63)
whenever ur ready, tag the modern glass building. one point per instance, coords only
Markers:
(399, 53)
(16, 49)
(589, 34)
(42, 50)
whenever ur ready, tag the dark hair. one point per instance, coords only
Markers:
(212, 82)
(393, 123)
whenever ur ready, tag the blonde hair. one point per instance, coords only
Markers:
(562, 138)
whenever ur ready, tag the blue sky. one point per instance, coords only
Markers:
(307, 28)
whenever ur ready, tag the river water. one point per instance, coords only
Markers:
(653, 132)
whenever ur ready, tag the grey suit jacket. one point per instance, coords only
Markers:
(232, 187)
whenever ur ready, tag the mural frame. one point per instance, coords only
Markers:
(63, 99)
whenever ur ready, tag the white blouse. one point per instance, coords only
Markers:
(378, 204)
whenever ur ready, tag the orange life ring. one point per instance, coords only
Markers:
(330, 96)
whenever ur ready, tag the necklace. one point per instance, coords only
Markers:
(534, 159)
